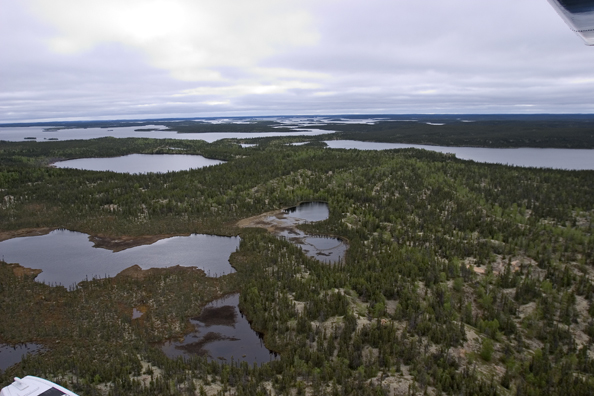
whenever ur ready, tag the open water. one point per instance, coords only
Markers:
(12, 354)
(141, 163)
(323, 248)
(68, 257)
(222, 333)
(570, 159)
(40, 134)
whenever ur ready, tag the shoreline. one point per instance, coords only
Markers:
(113, 243)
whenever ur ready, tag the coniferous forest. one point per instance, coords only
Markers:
(461, 278)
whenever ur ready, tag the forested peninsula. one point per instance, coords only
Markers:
(541, 132)
(460, 277)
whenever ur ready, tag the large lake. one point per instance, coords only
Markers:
(221, 332)
(571, 159)
(141, 163)
(68, 257)
(18, 134)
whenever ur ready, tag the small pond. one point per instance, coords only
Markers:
(571, 159)
(136, 314)
(141, 163)
(308, 212)
(12, 354)
(68, 257)
(222, 333)
(284, 225)
(325, 249)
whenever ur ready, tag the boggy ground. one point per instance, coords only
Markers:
(274, 222)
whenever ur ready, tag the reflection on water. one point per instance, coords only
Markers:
(141, 163)
(308, 212)
(222, 333)
(325, 249)
(12, 354)
(68, 257)
(571, 159)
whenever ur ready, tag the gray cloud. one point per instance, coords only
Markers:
(323, 57)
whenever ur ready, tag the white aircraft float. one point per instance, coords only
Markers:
(34, 386)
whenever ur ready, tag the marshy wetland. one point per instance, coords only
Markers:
(459, 277)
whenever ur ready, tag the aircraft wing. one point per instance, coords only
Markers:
(579, 15)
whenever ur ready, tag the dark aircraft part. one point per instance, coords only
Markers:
(577, 6)
(579, 15)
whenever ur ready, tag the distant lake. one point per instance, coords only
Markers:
(571, 159)
(18, 134)
(141, 163)
(308, 212)
(68, 257)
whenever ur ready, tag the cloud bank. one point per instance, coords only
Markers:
(88, 59)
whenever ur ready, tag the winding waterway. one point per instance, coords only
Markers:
(284, 224)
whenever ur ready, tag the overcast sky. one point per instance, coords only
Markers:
(116, 59)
